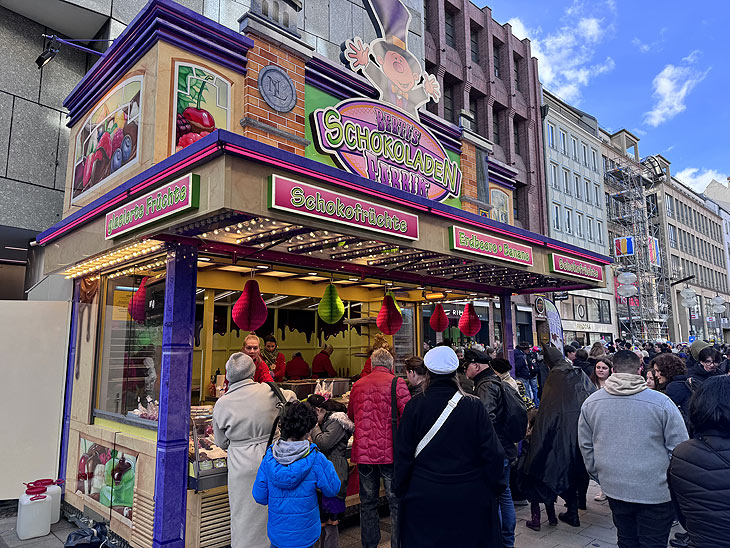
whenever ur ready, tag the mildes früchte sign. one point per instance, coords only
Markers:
(384, 140)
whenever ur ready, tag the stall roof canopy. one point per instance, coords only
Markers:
(343, 249)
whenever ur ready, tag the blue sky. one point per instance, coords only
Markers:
(658, 69)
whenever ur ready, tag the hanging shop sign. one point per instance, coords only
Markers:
(485, 245)
(384, 140)
(312, 201)
(170, 199)
(562, 264)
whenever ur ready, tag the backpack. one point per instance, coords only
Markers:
(514, 412)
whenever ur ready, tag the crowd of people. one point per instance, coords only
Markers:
(467, 436)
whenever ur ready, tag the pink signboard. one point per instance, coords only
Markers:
(313, 201)
(464, 239)
(170, 199)
(562, 264)
(384, 144)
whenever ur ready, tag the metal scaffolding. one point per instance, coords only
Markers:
(632, 214)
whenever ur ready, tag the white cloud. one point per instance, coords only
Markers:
(566, 56)
(671, 88)
(641, 46)
(698, 179)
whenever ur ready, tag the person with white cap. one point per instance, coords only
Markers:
(242, 423)
(448, 464)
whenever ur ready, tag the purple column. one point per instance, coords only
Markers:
(70, 366)
(505, 311)
(171, 470)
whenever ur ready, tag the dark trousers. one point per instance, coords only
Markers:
(642, 525)
(370, 475)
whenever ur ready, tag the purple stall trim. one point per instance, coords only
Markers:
(68, 393)
(225, 142)
(173, 431)
(508, 343)
(159, 20)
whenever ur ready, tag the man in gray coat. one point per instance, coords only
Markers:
(242, 422)
(627, 433)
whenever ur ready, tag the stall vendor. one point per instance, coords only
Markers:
(252, 348)
(297, 368)
(242, 422)
(322, 365)
(274, 359)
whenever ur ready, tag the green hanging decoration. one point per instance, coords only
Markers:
(395, 302)
(331, 308)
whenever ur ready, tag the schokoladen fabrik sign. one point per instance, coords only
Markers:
(384, 140)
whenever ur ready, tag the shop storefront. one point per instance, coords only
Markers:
(173, 206)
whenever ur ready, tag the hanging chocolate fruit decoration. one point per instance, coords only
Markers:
(395, 301)
(250, 311)
(439, 321)
(470, 324)
(331, 309)
(137, 307)
(389, 320)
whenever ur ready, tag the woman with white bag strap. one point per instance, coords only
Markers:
(448, 464)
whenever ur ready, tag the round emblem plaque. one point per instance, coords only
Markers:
(277, 88)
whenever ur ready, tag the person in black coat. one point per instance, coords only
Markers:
(553, 465)
(682, 386)
(581, 360)
(448, 493)
(699, 472)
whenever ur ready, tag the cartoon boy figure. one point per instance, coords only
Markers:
(398, 74)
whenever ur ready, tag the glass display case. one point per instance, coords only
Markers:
(207, 463)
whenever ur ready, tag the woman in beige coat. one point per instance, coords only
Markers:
(242, 421)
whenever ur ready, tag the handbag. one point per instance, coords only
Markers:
(281, 405)
(450, 406)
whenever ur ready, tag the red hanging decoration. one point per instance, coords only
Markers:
(389, 320)
(137, 307)
(250, 311)
(470, 324)
(439, 321)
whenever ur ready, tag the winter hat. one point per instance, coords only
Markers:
(553, 357)
(697, 347)
(239, 367)
(476, 356)
(441, 360)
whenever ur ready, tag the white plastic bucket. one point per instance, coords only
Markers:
(53, 489)
(34, 513)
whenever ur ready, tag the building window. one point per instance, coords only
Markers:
(563, 142)
(551, 135)
(450, 30)
(496, 57)
(495, 127)
(568, 220)
(566, 181)
(590, 229)
(675, 266)
(515, 210)
(516, 128)
(587, 186)
(474, 45)
(596, 194)
(517, 61)
(599, 231)
(554, 176)
(585, 154)
(672, 231)
(474, 111)
(574, 146)
(669, 201)
(594, 159)
(449, 103)
(579, 224)
(556, 216)
(578, 191)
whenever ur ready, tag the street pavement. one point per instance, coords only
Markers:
(596, 531)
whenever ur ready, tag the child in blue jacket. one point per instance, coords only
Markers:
(288, 478)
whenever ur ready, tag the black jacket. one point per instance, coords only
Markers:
(699, 480)
(586, 365)
(457, 477)
(521, 369)
(553, 459)
(679, 390)
(487, 388)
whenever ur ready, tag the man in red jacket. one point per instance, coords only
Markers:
(372, 450)
(252, 348)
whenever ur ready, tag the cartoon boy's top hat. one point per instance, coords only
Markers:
(394, 19)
